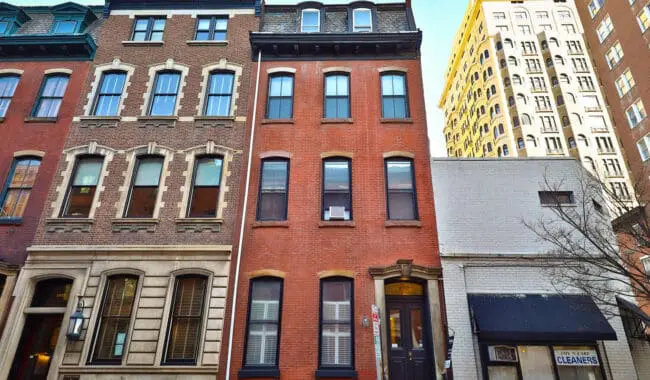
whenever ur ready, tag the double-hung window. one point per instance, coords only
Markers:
(219, 95)
(8, 84)
(274, 184)
(114, 319)
(614, 54)
(19, 186)
(635, 113)
(186, 318)
(362, 20)
(148, 29)
(263, 329)
(144, 188)
(81, 192)
(280, 98)
(51, 95)
(211, 28)
(394, 98)
(206, 186)
(109, 94)
(643, 18)
(645, 261)
(336, 329)
(624, 83)
(163, 99)
(337, 96)
(337, 189)
(400, 189)
(604, 28)
(310, 22)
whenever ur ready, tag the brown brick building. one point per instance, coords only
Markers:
(340, 211)
(138, 226)
(42, 72)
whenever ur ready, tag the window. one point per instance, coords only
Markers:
(19, 187)
(604, 28)
(51, 95)
(636, 113)
(644, 145)
(206, 185)
(163, 101)
(645, 261)
(337, 96)
(337, 189)
(520, 143)
(144, 189)
(211, 28)
(186, 319)
(362, 20)
(114, 319)
(274, 184)
(81, 191)
(109, 94)
(148, 29)
(624, 83)
(643, 18)
(394, 96)
(219, 96)
(614, 55)
(64, 27)
(8, 84)
(263, 328)
(556, 197)
(336, 316)
(594, 6)
(280, 98)
(400, 189)
(7, 25)
(310, 21)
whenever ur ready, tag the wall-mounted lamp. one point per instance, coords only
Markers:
(365, 322)
(76, 322)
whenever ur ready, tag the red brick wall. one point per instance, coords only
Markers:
(17, 135)
(301, 248)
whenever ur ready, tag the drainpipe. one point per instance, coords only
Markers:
(233, 308)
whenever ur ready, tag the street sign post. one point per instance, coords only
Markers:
(376, 333)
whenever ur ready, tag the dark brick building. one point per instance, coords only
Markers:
(137, 229)
(340, 212)
(43, 67)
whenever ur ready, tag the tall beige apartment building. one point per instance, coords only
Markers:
(521, 83)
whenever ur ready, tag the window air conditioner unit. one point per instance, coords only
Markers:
(503, 354)
(337, 213)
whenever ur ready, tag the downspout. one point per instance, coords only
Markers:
(233, 309)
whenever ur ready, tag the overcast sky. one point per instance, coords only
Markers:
(438, 20)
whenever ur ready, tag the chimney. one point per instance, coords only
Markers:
(408, 3)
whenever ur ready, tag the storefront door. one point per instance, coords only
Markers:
(409, 345)
(37, 343)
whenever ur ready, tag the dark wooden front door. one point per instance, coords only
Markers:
(410, 354)
(36, 347)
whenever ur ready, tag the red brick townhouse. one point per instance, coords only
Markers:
(127, 275)
(44, 60)
(339, 214)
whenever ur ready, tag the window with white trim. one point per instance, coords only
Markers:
(144, 188)
(109, 93)
(635, 113)
(643, 145)
(614, 55)
(645, 260)
(624, 83)
(310, 22)
(362, 20)
(263, 329)
(604, 28)
(643, 18)
(594, 6)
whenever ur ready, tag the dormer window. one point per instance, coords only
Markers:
(362, 20)
(64, 27)
(310, 21)
(5, 26)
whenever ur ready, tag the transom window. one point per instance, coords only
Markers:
(362, 20)
(219, 96)
(64, 26)
(394, 96)
(114, 319)
(53, 292)
(148, 29)
(400, 189)
(163, 102)
(280, 98)
(274, 183)
(19, 187)
(310, 21)
(51, 95)
(337, 96)
(262, 332)
(81, 192)
(211, 28)
(144, 189)
(8, 84)
(186, 319)
(110, 93)
(337, 189)
(336, 343)
(206, 186)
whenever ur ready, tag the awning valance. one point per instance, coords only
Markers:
(538, 317)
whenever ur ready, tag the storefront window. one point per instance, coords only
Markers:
(577, 363)
(536, 362)
(502, 373)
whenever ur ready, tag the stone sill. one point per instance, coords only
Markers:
(11, 221)
(207, 42)
(99, 118)
(214, 118)
(143, 43)
(69, 224)
(407, 120)
(337, 121)
(403, 223)
(143, 369)
(156, 118)
(134, 224)
(40, 119)
(278, 121)
(198, 224)
(336, 223)
(271, 223)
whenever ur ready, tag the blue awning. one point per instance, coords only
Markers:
(538, 317)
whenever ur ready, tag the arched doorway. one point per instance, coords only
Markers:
(410, 352)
